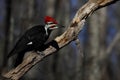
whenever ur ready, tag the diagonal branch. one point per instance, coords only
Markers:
(113, 43)
(69, 35)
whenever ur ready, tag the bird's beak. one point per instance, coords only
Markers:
(53, 26)
(60, 26)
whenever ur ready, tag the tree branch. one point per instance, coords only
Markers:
(69, 35)
(113, 43)
(79, 47)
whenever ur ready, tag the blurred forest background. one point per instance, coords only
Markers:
(100, 39)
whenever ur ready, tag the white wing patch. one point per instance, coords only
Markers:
(29, 43)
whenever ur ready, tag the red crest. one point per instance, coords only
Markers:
(50, 19)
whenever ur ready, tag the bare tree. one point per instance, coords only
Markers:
(96, 49)
(8, 29)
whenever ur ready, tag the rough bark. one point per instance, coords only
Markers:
(69, 35)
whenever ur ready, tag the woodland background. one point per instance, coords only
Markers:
(100, 39)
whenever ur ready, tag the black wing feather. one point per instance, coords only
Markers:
(36, 35)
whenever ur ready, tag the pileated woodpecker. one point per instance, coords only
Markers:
(33, 39)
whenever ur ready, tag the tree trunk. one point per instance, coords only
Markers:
(95, 55)
(8, 30)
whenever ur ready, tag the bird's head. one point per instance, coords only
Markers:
(50, 23)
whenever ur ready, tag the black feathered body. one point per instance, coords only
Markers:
(32, 39)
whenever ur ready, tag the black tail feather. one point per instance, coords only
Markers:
(19, 59)
(19, 56)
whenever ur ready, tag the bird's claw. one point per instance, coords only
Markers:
(40, 53)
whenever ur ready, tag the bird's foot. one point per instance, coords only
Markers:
(40, 53)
